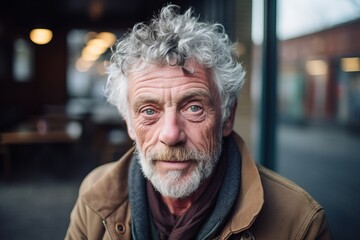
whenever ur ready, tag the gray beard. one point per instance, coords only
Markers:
(172, 184)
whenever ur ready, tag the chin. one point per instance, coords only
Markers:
(176, 185)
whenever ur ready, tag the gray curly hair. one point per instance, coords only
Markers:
(172, 39)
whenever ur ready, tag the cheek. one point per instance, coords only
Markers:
(204, 135)
(145, 135)
(211, 138)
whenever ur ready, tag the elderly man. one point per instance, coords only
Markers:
(175, 81)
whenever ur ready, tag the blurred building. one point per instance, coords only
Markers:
(320, 77)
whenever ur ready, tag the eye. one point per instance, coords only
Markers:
(194, 112)
(148, 111)
(194, 108)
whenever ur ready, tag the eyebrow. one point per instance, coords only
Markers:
(145, 98)
(186, 96)
(203, 95)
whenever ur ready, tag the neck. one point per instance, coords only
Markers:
(179, 206)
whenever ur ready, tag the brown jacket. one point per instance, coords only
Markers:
(268, 206)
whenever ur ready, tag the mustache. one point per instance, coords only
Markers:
(180, 153)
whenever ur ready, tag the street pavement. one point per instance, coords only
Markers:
(36, 209)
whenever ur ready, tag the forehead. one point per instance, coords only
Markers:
(163, 77)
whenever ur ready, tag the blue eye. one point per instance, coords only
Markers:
(194, 108)
(149, 111)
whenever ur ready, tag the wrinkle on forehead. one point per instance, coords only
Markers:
(170, 77)
(190, 68)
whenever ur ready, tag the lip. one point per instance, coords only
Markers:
(174, 165)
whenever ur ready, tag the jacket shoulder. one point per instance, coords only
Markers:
(108, 173)
(280, 190)
(290, 206)
(94, 175)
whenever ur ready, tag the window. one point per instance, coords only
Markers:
(22, 61)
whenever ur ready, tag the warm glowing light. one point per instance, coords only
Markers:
(316, 67)
(88, 55)
(108, 37)
(350, 64)
(41, 36)
(96, 45)
(94, 49)
(98, 42)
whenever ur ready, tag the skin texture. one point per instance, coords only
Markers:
(170, 107)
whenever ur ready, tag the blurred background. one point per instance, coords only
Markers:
(299, 110)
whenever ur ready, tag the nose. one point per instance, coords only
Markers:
(171, 129)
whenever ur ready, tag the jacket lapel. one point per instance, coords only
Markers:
(251, 195)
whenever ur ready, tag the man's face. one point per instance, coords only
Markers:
(175, 119)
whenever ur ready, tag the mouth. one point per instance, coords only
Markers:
(174, 164)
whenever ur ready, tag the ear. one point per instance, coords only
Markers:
(229, 123)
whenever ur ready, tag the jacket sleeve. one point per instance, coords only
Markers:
(318, 228)
(84, 223)
(77, 226)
